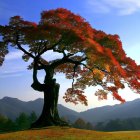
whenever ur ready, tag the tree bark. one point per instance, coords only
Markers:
(49, 115)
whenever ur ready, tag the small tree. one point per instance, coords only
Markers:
(89, 57)
(32, 117)
(23, 121)
(6, 124)
(89, 126)
(80, 123)
(3, 121)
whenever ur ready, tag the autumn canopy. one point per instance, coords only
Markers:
(90, 57)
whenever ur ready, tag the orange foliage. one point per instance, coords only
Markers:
(105, 63)
(118, 97)
(75, 96)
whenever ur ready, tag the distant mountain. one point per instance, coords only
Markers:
(12, 107)
(129, 109)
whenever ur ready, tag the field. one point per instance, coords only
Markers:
(65, 133)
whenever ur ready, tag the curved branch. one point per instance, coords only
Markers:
(51, 48)
(22, 49)
(36, 84)
(66, 59)
(35, 68)
(30, 54)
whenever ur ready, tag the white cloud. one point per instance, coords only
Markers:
(11, 75)
(12, 72)
(121, 7)
(14, 55)
(98, 6)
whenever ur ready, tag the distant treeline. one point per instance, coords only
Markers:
(119, 125)
(112, 125)
(79, 123)
(24, 121)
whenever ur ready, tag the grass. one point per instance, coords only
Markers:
(65, 133)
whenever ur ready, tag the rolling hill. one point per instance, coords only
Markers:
(119, 111)
(12, 107)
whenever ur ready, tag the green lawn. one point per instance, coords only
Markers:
(65, 133)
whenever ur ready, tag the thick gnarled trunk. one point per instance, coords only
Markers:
(49, 115)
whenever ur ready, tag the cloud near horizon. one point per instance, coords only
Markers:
(120, 7)
(14, 55)
(12, 72)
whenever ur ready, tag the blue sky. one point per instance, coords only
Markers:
(112, 16)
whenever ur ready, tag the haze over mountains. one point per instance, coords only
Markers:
(12, 107)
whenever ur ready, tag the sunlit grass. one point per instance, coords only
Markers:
(65, 133)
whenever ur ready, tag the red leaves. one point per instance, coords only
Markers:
(102, 95)
(17, 21)
(63, 19)
(83, 71)
(138, 73)
(118, 97)
(115, 94)
(106, 61)
(95, 46)
(134, 84)
(75, 96)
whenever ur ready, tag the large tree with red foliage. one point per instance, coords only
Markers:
(89, 57)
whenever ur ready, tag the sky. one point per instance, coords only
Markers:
(112, 16)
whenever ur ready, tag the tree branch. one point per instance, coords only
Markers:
(30, 54)
(36, 84)
(51, 48)
(66, 59)
(22, 49)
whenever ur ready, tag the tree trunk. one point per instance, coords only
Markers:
(49, 115)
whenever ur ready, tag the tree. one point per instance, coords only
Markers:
(6, 124)
(100, 126)
(80, 123)
(32, 117)
(89, 126)
(23, 121)
(89, 58)
(3, 121)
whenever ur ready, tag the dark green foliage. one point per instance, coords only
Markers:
(22, 122)
(89, 126)
(6, 124)
(65, 119)
(119, 125)
(81, 124)
(32, 117)
(99, 126)
(114, 125)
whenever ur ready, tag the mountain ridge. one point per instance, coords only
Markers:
(12, 107)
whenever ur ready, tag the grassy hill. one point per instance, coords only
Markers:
(65, 133)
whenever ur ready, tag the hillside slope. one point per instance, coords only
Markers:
(12, 107)
(120, 111)
(65, 133)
